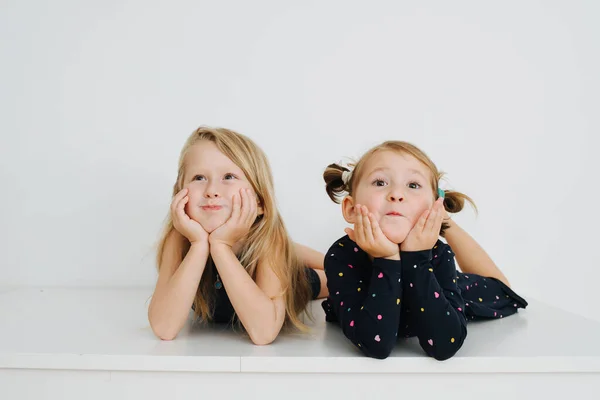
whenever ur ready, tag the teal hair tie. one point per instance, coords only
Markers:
(441, 193)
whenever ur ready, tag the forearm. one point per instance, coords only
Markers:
(437, 309)
(260, 315)
(470, 256)
(171, 302)
(368, 315)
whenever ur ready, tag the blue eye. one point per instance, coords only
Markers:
(414, 185)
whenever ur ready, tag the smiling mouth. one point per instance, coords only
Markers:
(211, 208)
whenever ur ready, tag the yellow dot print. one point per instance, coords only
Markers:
(430, 269)
(480, 299)
(341, 274)
(422, 309)
(358, 289)
(452, 340)
(397, 301)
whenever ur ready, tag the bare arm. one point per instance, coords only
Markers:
(309, 257)
(176, 288)
(315, 260)
(470, 255)
(259, 304)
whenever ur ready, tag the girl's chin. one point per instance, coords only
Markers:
(396, 237)
(210, 226)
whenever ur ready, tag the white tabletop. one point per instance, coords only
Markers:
(107, 329)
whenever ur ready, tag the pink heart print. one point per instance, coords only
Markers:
(436, 294)
(351, 323)
(430, 342)
(380, 275)
(377, 338)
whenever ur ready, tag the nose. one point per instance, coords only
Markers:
(211, 191)
(396, 195)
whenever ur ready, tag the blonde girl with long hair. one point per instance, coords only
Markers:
(225, 251)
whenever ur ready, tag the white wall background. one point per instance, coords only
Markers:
(97, 99)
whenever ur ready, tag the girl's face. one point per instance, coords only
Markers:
(396, 188)
(212, 180)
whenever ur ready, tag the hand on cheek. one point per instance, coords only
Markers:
(182, 222)
(243, 214)
(426, 231)
(368, 235)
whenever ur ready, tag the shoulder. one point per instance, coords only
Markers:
(343, 252)
(344, 246)
(441, 247)
(442, 252)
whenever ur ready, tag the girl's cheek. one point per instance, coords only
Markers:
(194, 195)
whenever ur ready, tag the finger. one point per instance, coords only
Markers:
(431, 218)
(435, 217)
(243, 205)
(440, 218)
(350, 234)
(236, 208)
(445, 214)
(180, 205)
(368, 227)
(180, 195)
(377, 233)
(247, 204)
(180, 210)
(421, 222)
(253, 209)
(358, 228)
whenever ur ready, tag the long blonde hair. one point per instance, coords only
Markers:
(267, 241)
(336, 188)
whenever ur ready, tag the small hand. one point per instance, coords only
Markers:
(426, 231)
(192, 230)
(243, 214)
(368, 236)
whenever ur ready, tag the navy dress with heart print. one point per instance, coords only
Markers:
(422, 295)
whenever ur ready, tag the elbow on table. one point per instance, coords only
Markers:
(164, 333)
(378, 350)
(262, 338)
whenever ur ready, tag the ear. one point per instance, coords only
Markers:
(348, 210)
(260, 208)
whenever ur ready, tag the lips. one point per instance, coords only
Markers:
(394, 214)
(211, 208)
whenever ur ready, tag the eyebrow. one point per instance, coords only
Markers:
(411, 170)
(417, 172)
(192, 171)
(380, 169)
